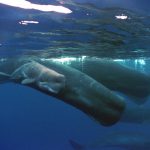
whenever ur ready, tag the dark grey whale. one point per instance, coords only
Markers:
(116, 77)
(80, 90)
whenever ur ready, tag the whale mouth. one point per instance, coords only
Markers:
(52, 87)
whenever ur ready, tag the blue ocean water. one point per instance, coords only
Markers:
(31, 120)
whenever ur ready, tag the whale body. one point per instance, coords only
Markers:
(116, 77)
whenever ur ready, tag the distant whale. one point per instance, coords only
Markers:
(79, 89)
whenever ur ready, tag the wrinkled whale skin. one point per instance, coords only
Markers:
(116, 77)
(88, 95)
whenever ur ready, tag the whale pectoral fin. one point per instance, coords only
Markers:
(50, 87)
(27, 81)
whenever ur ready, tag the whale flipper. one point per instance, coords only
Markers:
(27, 81)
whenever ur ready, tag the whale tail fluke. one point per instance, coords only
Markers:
(76, 146)
(4, 77)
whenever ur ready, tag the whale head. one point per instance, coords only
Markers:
(51, 81)
(40, 77)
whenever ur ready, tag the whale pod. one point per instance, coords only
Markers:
(88, 95)
(79, 90)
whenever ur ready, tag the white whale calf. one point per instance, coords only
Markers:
(35, 74)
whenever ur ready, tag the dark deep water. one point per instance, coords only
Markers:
(31, 120)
